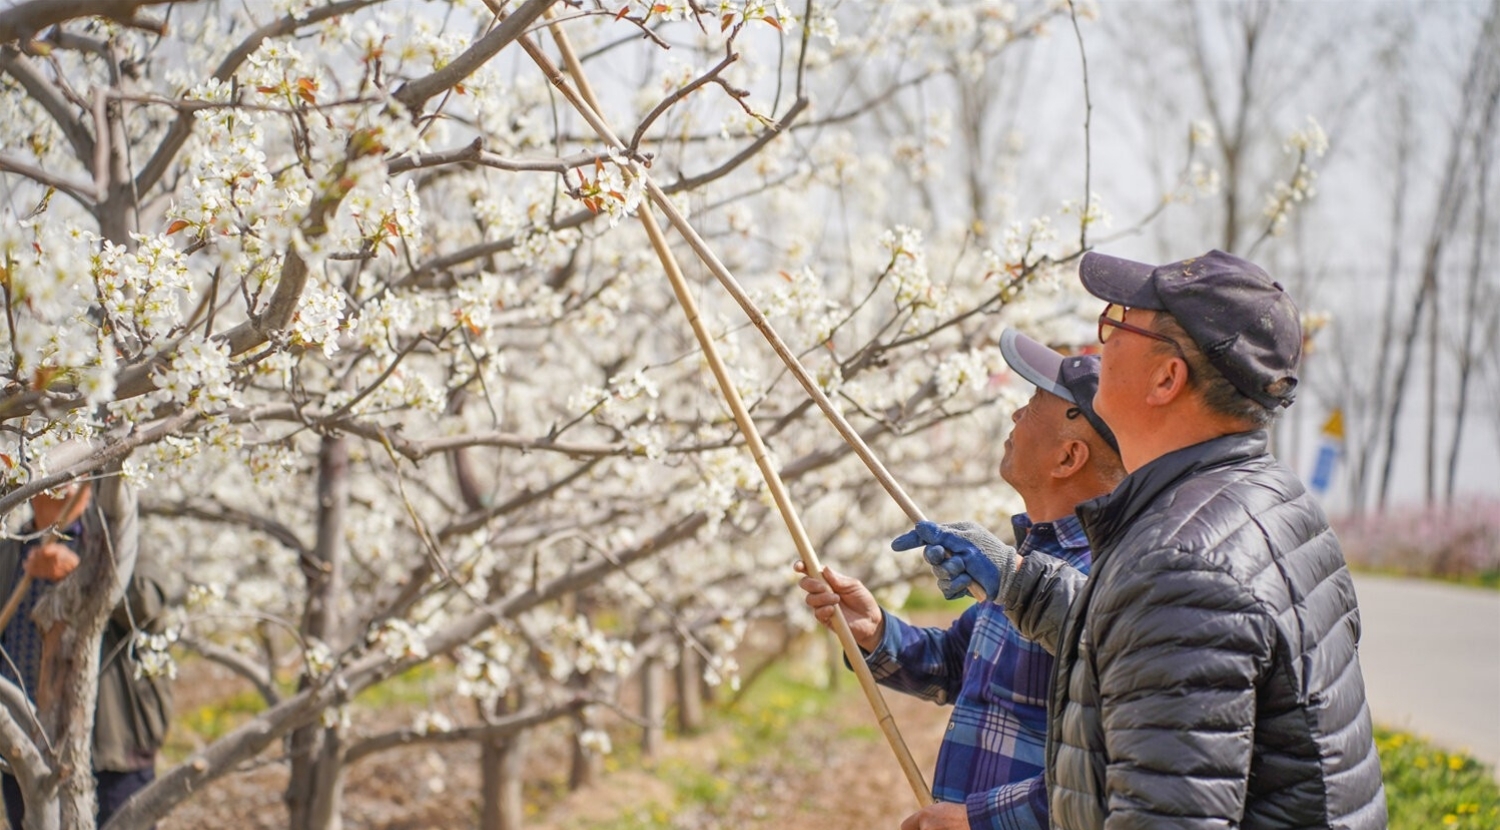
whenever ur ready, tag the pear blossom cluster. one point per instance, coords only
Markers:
(1307, 143)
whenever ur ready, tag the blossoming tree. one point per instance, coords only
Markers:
(342, 291)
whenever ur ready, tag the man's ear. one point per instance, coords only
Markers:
(1074, 456)
(1168, 381)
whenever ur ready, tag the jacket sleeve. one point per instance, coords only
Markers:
(1018, 805)
(1179, 648)
(924, 662)
(1037, 598)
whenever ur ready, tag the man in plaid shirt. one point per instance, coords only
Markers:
(989, 767)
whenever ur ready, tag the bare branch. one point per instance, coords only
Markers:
(742, 156)
(77, 191)
(474, 521)
(418, 450)
(510, 725)
(711, 76)
(474, 153)
(1085, 215)
(224, 514)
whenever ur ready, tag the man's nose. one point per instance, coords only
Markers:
(1015, 417)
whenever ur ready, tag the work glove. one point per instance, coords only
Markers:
(962, 554)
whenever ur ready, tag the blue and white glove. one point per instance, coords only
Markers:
(962, 554)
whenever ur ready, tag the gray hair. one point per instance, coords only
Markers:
(1219, 395)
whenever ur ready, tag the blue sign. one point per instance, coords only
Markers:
(1328, 456)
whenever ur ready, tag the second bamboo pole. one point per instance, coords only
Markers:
(588, 107)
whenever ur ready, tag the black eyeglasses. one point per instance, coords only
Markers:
(1114, 318)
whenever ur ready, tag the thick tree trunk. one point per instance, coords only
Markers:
(502, 768)
(502, 764)
(73, 616)
(587, 765)
(689, 677)
(653, 706)
(313, 791)
(328, 787)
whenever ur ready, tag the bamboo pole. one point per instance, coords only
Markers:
(589, 111)
(732, 285)
(588, 107)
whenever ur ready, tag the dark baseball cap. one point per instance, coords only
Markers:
(1241, 319)
(1074, 378)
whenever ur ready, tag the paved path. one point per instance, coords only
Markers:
(1431, 659)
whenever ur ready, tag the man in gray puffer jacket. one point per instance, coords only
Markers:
(1207, 672)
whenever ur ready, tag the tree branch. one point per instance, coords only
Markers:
(416, 93)
(237, 663)
(23, 21)
(46, 94)
(77, 191)
(418, 450)
(27, 763)
(742, 156)
(504, 727)
(113, 452)
(666, 103)
(224, 514)
(177, 134)
(474, 153)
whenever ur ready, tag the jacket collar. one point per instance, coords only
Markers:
(1106, 518)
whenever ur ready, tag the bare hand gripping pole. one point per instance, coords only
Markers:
(587, 105)
(51, 535)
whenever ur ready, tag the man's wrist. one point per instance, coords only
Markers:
(878, 636)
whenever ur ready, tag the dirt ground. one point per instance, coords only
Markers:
(837, 771)
(834, 771)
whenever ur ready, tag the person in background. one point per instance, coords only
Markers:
(132, 712)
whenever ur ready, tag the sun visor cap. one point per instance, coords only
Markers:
(1074, 378)
(1039, 365)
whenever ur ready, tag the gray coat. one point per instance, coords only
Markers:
(1207, 673)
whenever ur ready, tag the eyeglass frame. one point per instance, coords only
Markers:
(1107, 321)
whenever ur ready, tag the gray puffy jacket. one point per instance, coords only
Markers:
(1207, 673)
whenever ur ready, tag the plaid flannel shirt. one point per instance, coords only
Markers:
(992, 755)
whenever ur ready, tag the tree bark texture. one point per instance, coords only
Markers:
(316, 781)
(653, 705)
(502, 764)
(72, 617)
(689, 677)
(586, 766)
